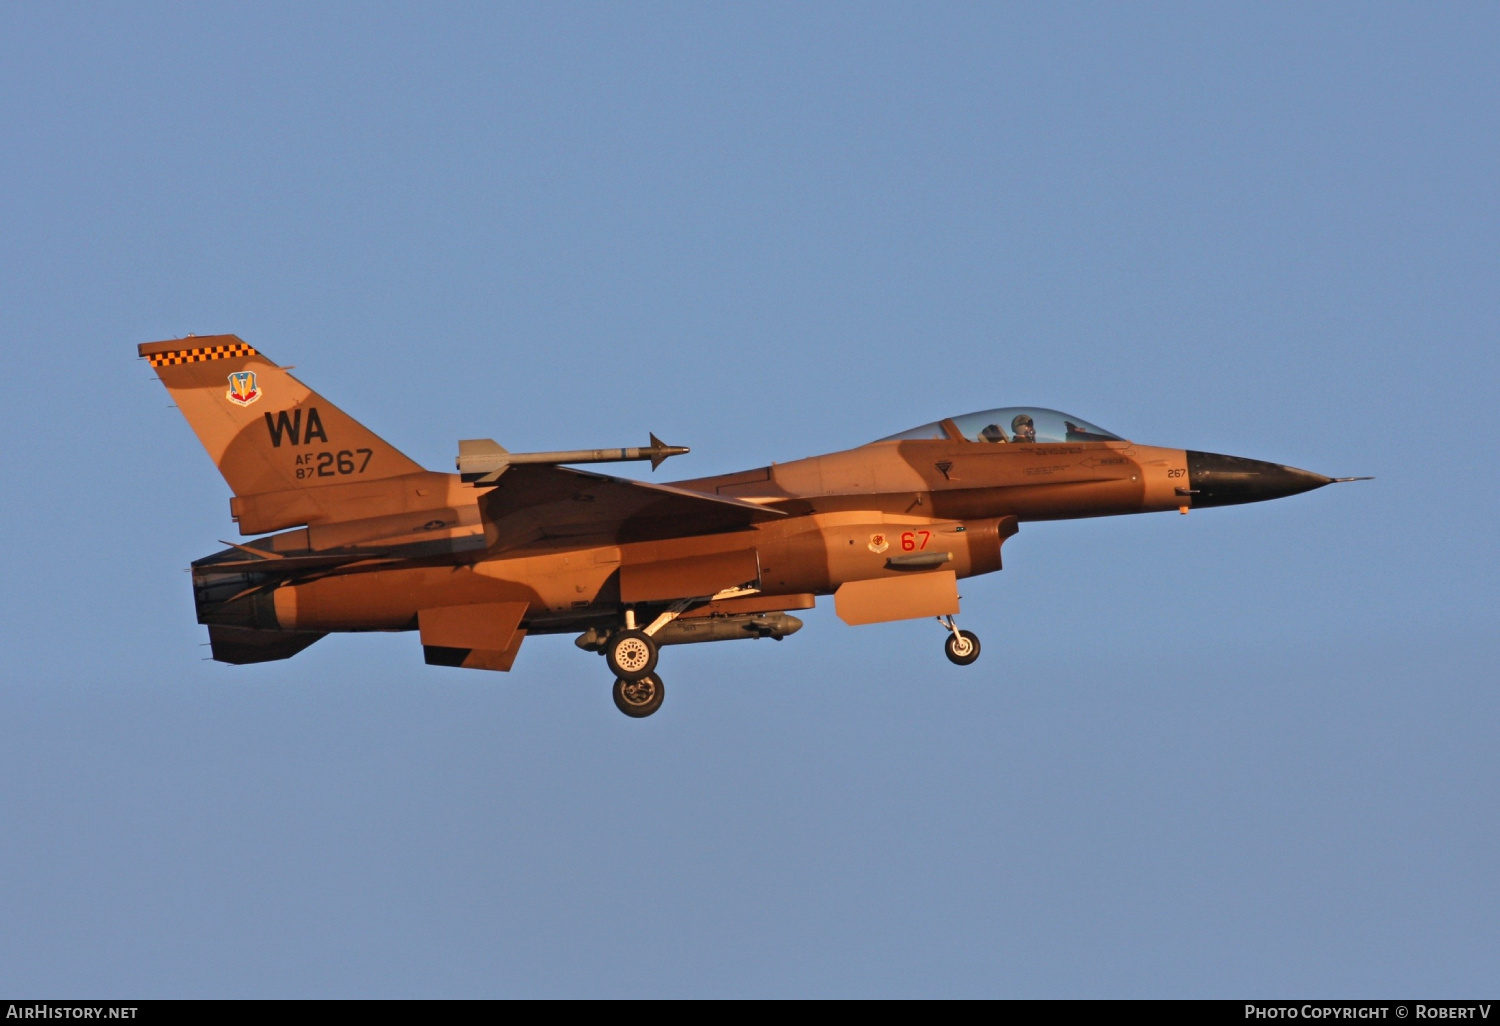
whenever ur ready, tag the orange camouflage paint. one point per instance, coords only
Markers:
(518, 544)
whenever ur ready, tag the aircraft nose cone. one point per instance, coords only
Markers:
(1228, 480)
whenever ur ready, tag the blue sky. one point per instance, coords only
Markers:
(1249, 751)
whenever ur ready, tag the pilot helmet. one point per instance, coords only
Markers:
(1019, 420)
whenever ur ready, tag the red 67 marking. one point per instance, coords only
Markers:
(914, 541)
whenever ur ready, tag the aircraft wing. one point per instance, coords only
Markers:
(538, 502)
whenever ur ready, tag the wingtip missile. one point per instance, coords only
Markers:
(483, 461)
(660, 451)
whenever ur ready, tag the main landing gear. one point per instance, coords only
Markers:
(641, 697)
(631, 654)
(962, 647)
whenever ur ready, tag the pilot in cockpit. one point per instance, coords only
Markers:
(1022, 429)
(993, 433)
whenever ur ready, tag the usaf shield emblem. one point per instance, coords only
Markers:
(878, 544)
(242, 388)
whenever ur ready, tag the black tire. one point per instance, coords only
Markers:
(954, 647)
(631, 655)
(639, 698)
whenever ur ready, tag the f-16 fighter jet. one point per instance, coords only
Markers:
(354, 536)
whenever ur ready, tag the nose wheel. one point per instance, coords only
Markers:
(962, 647)
(639, 698)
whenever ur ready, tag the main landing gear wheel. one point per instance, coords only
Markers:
(631, 655)
(639, 698)
(962, 647)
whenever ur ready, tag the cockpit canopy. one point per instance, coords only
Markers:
(1024, 424)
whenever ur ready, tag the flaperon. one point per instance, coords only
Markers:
(517, 544)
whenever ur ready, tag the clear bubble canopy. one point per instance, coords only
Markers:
(1024, 424)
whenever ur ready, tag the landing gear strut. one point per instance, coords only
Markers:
(631, 654)
(639, 698)
(962, 647)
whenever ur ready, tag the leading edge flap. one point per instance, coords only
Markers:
(534, 502)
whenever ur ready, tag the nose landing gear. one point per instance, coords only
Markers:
(962, 647)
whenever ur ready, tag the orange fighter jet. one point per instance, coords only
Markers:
(357, 537)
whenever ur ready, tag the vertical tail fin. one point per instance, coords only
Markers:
(265, 430)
